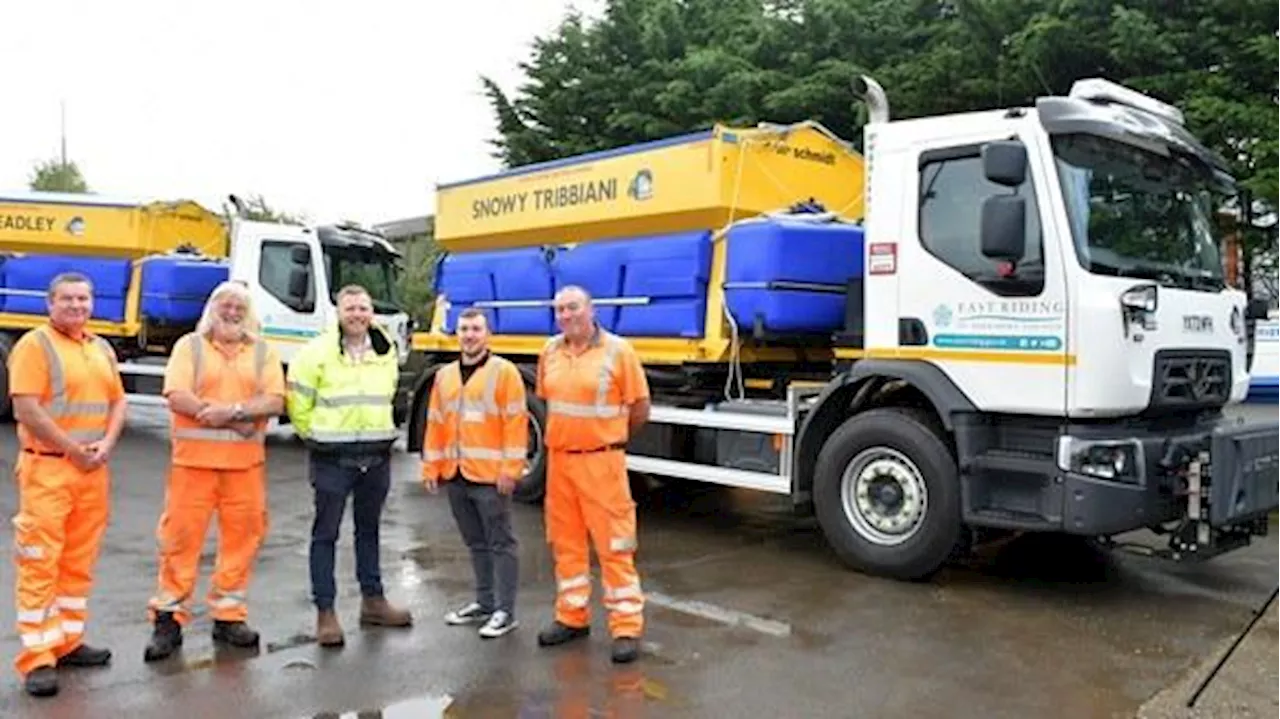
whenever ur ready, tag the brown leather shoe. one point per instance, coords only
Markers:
(377, 611)
(328, 630)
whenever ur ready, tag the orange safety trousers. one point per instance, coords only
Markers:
(239, 496)
(588, 494)
(58, 530)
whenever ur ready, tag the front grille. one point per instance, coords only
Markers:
(1191, 379)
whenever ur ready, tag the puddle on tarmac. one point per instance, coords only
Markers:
(292, 642)
(420, 708)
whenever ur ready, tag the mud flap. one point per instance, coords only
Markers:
(1244, 465)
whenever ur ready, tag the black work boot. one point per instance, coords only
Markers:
(42, 682)
(237, 634)
(625, 650)
(559, 633)
(85, 656)
(165, 639)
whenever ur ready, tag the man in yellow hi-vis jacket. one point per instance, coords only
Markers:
(341, 388)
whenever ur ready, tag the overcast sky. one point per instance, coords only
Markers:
(336, 110)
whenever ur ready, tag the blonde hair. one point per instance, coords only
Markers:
(240, 291)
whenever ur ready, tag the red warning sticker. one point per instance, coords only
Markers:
(882, 258)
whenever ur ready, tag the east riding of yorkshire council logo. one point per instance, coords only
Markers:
(942, 316)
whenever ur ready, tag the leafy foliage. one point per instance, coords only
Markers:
(57, 176)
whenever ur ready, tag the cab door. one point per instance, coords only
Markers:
(993, 320)
(284, 266)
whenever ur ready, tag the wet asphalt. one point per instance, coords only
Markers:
(749, 615)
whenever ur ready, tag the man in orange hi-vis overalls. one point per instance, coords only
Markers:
(70, 407)
(476, 441)
(597, 396)
(223, 383)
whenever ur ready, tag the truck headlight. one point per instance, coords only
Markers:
(1115, 460)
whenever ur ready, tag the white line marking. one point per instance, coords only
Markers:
(731, 617)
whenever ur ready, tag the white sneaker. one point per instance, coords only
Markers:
(500, 623)
(472, 613)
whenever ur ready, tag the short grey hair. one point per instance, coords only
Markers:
(68, 278)
(573, 288)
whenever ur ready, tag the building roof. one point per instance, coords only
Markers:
(405, 228)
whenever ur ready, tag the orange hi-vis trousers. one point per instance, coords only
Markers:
(240, 498)
(58, 530)
(588, 494)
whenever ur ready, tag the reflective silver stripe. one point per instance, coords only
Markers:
(580, 580)
(302, 389)
(367, 435)
(604, 379)
(629, 591)
(606, 368)
(435, 415)
(585, 411)
(72, 602)
(496, 455)
(215, 435)
(86, 435)
(166, 603)
(432, 455)
(31, 616)
(513, 409)
(622, 544)
(490, 398)
(577, 601)
(515, 453)
(33, 640)
(58, 405)
(625, 607)
(229, 600)
(354, 400)
(72, 627)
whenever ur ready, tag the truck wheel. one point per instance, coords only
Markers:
(6, 404)
(887, 495)
(533, 484)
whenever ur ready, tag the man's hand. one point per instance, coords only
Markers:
(85, 457)
(507, 485)
(244, 429)
(99, 452)
(216, 415)
(430, 484)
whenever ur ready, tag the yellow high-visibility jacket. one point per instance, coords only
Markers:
(335, 403)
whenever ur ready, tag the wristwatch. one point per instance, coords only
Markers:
(238, 413)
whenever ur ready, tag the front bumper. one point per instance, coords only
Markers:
(1211, 477)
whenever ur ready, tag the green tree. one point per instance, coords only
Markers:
(648, 69)
(58, 176)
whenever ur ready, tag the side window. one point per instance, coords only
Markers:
(952, 189)
(285, 272)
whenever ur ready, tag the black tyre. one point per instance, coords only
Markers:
(887, 494)
(533, 485)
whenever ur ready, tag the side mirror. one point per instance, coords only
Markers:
(1005, 162)
(1004, 227)
(300, 255)
(1257, 309)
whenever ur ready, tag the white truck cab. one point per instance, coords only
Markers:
(1044, 291)
(295, 274)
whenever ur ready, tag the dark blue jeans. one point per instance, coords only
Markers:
(335, 477)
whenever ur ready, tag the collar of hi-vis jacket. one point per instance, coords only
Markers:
(377, 336)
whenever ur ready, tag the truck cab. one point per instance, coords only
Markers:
(296, 272)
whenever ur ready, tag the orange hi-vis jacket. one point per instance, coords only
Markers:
(480, 429)
(77, 382)
(587, 394)
(198, 366)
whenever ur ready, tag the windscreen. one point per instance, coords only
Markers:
(377, 272)
(1138, 214)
